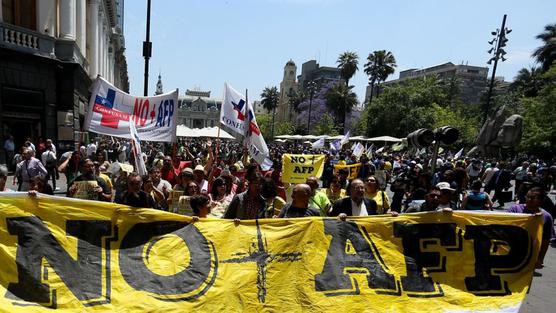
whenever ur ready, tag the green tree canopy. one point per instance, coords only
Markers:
(341, 100)
(380, 65)
(348, 65)
(269, 98)
(546, 54)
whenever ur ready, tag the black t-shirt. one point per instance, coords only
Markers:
(142, 200)
(100, 183)
(289, 211)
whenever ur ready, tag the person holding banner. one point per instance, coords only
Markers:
(335, 192)
(249, 204)
(274, 203)
(373, 192)
(356, 204)
(134, 196)
(318, 199)
(299, 207)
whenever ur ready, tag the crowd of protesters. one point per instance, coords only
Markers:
(205, 178)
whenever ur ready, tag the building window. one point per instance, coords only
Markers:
(292, 73)
(20, 12)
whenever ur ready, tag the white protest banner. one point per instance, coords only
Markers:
(111, 109)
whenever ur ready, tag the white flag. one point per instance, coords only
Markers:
(345, 139)
(319, 144)
(232, 112)
(255, 142)
(358, 150)
(136, 148)
(233, 115)
(459, 154)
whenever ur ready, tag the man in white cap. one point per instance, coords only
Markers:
(445, 202)
(199, 173)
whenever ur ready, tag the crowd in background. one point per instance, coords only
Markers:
(206, 178)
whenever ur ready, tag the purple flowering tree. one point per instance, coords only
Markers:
(320, 112)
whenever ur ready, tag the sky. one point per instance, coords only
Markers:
(200, 44)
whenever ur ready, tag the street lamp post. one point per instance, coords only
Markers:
(147, 50)
(311, 87)
(498, 42)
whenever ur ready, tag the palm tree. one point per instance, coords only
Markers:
(546, 54)
(381, 65)
(340, 99)
(270, 102)
(348, 65)
(528, 82)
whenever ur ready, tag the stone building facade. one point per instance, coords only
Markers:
(471, 81)
(50, 52)
(198, 110)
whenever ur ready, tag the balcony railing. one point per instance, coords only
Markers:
(23, 39)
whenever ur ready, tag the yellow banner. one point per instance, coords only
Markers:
(297, 167)
(353, 169)
(80, 255)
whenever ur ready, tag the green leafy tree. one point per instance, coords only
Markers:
(380, 65)
(539, 119)
(264, 121)
(285, 128)
(404, 108)
(325, 126)
(528, 82)
(546, 54)
(340, 100)
(348, 65)
(269, 100)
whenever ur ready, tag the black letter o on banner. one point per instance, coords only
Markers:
(140, 277)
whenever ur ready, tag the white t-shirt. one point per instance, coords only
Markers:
(358, 209)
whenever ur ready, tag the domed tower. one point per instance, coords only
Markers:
(288, 86)
(159, 86)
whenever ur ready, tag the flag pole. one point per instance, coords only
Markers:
(246, 126)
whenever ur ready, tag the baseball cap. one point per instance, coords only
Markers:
(199, 168)
(444, 186)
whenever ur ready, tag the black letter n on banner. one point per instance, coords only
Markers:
(335, 278)
(35, 242)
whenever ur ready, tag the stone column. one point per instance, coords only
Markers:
(81, 25)
(46, 17)
(67, 19)
(100, 47)
(92, 37)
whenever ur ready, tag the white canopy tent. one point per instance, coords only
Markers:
(385, 138)
(211, 132)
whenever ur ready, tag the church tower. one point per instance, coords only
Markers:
(158, 86)
(287, 87)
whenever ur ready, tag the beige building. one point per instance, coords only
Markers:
(198, 110)
(288, 86)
